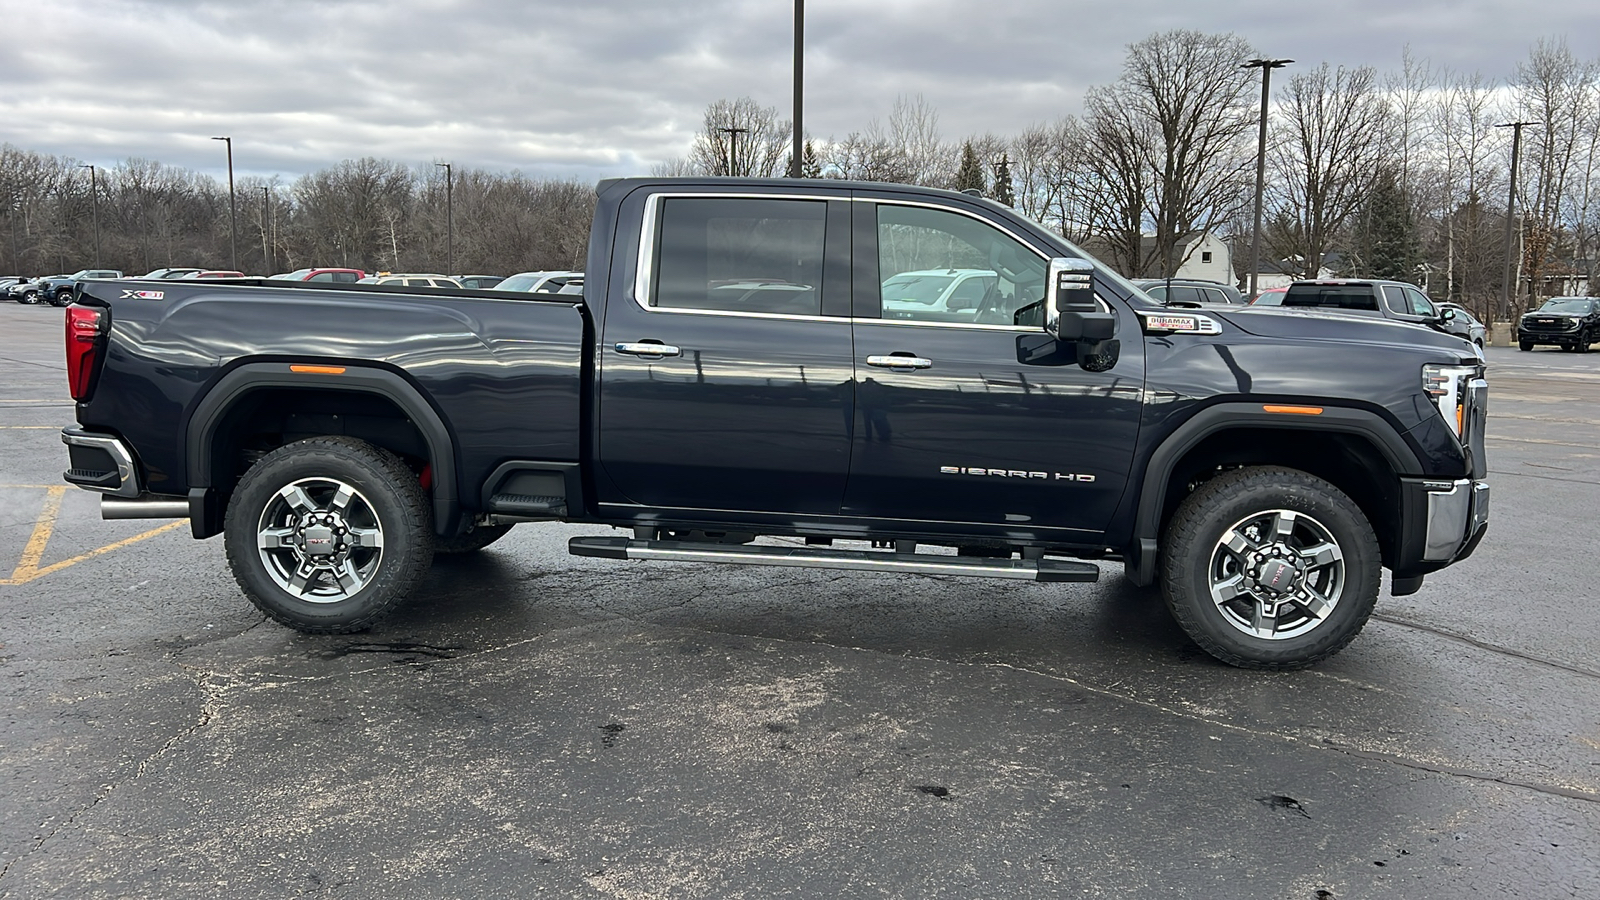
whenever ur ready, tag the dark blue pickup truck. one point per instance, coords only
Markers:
(750, 360)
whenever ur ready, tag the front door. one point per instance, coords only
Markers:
(973, 414)
(746, 405)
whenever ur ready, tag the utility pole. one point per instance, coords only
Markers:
(449, 219)
(733, 147)
(233, 209)
(266, 206)
(1511, 216)
(94, 198)
(1266, 66)
(797, 154)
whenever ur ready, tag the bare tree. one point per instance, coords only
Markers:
(1330, 142)
(740, 138)
(1171, 138)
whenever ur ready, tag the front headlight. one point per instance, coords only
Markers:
(1447, 387)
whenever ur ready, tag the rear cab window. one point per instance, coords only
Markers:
(1332, 296)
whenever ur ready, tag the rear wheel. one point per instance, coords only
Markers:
(327, 535)
(1270, 568)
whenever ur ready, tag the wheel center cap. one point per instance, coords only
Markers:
(1277, 576)
(320, 541)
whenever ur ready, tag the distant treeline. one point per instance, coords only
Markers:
(364, 213)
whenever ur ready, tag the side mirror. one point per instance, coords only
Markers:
(1071, 311)
(1447, 315)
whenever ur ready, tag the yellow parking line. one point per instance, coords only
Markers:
(28, 567)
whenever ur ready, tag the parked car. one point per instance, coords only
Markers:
(211, 273)
(1457, 320)
(1571, 323)
(58, 289)
(412, 280)
(1396, 301)
(6, 281)
(159, 274)
(1276, 296)
(479, 282)
(1190, 292)
(953, 293)
(335, 275)
(540, 282)
(1263, 467)
(28, 289)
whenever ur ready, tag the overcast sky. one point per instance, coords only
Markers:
(594, 88)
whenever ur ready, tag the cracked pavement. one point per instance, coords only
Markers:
(535, 723)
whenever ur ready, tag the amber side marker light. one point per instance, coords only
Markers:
(1294, 410)
(331, 370)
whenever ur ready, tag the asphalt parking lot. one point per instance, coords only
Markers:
(535, 723)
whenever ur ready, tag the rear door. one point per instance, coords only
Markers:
(725, 377)
(979, 417)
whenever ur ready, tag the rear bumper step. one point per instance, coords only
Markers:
(1053, 570)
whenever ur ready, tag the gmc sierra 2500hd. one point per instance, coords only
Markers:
(733, 372)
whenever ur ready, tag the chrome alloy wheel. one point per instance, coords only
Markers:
(1276, 574)
(320, 540)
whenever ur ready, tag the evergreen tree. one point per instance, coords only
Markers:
(1002, 181)
(970, 175)
(1390, 245)
(810, 166)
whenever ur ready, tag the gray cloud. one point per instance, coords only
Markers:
(605, 88)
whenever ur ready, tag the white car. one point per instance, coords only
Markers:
(936, 291)
(550, 282)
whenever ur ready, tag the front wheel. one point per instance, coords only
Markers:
(1270, 568)
(1582, 346)
(61, 298)
(327, 535)
(1525, 346)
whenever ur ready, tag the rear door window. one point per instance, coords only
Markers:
(747, 255)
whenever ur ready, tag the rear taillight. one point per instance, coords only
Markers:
(86, 329)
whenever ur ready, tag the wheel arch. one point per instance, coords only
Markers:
(1354, 449)
(207, 469)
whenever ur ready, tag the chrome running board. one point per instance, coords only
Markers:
(1054, 570)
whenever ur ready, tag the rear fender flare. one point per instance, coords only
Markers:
(200, 435)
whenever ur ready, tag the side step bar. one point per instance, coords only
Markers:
(817, 558)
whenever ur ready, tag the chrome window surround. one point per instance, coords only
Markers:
(646, 261)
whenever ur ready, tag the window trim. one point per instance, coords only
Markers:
(643, 271)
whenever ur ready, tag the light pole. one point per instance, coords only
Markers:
(733, 147)
(449, 219)
(1511, 214)
(94, 198)
(233, 209)
(266, 206)
(796, 162)
(1266, 66)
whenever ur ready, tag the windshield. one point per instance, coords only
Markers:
(1566, 305)
(296, 275)
(913, 288)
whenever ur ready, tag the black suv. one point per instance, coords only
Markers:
(1190, 292)
(1571, 323)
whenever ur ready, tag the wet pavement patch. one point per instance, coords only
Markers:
(609, 739)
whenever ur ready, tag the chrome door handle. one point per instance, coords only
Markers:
(645, 348)
(899, 362)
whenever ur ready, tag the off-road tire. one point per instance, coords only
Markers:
(390, 500)
(1191, 548)
(472, 541)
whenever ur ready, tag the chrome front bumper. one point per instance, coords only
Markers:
(1458, 511)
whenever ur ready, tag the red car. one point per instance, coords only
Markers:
(1274, 296)
(338, 276)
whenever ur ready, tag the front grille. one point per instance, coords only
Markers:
(1548, 325)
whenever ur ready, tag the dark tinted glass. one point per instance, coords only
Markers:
(1335, 296)
(740, 255)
